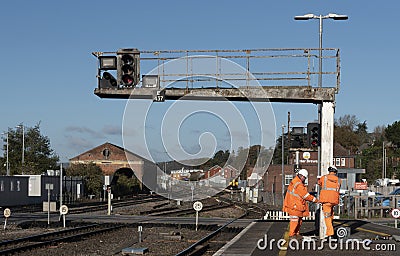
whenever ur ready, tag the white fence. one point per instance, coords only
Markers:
(279, 215)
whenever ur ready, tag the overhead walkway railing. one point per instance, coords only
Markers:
(285, 74)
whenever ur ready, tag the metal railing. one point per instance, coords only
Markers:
(372, 206)
(267, 67)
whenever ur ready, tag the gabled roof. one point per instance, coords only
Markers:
(110, 145)
(339, 150)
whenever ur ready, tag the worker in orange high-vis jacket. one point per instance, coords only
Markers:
(329, 197)
(295, 202)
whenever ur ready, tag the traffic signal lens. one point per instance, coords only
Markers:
(106, 75)
(127, 69)
(127, 59)
(110, 78)
(127, 80)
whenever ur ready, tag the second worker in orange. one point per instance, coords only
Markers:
(329, 197)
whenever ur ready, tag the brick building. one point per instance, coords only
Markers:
(113, 159)
(308, 159)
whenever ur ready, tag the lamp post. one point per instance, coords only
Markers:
(309, 16)
(383, 161)
(7, 162)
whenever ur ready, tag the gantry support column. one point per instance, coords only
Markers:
(327, 125)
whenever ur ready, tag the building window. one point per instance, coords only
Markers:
(288, 179)
(343, 160)
(106, 153)
(11, 186)
(337, 162)
(18, 185)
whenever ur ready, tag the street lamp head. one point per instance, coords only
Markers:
(304, 17)
(337, 16)
(333, 16)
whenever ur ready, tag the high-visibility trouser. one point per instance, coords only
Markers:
(295, 224)
(327, 209)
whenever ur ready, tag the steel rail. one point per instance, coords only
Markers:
(192, 248)
(50, 240)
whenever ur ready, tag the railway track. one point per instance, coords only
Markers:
(172, 211)
(91, 206)
(30, 243)
(205, 244)
(213, 241)
(115, 204)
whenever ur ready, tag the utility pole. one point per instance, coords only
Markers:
(283, 164)
(7, 162)
(61, 184)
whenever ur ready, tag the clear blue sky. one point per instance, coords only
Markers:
(48, 72)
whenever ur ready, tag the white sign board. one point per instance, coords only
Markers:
(53, 207)
(197, 206)
(107, 180)
(35, 184)
(7, 212)
(396, 213)
(63, 209)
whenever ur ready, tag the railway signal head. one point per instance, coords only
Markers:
(313, 134)
(107, 64)
(128, 61)
(108, 81)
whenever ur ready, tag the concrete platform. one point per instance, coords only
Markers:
(271, 238)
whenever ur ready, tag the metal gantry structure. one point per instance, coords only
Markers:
(285, 75)
(267, 75)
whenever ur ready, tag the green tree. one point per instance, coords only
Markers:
(392, 133)
(38, 154)
(348, 121)
(345, 132)
(92, 175)
(220, 158)
(240, 161)
(362, 133)
(371, 161)
(126, 186)
(277, 156)
(379, 133)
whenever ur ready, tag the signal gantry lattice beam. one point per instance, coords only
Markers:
(275, 75)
